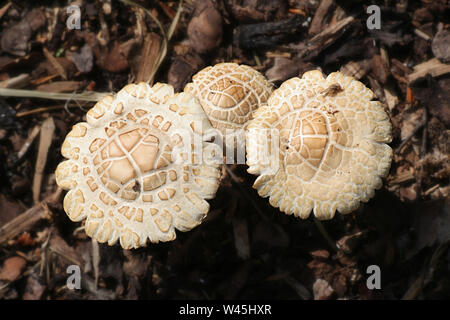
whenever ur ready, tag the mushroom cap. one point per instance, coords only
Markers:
(123, 174)
(229, 93)
(319, 144)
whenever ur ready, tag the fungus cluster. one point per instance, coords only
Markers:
(317, 144)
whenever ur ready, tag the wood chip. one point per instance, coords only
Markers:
(356, 69)
(149, 57)
(311, 48)
(321, 16)
(5, 8)
(391, 98)
(21, 81)
(55, 63)
(47, 130)
(26, 220)
(60, 86)
(433, 67)
(379, 69)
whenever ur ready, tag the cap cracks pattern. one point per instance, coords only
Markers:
(121, 173)
(229, 93)
(332, 145)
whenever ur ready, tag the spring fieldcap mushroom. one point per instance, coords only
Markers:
(121, 174)
(331, 152)
(229, 93)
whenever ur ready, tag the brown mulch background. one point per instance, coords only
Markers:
(245, 249)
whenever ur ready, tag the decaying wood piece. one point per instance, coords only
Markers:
(47, 130)
(356, 69)
(26, 145)
(18, 82)
(26, 220)
(149, 57)
(433, 67)
(311, 48)
(320, 17)
(263, 35)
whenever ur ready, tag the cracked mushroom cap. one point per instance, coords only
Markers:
(330, 151)
(229, 93)
(122, 175)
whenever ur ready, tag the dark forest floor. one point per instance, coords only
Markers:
(245, 249)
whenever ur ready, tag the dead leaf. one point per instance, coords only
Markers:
(15, 40)
(205, 28)
(83, 60)
(282, 69)
(182, 69)
(441, 45)
(112, 60)
(12, 268)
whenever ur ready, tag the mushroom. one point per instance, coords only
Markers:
(331, 151)
(122, 174)
(229, 93)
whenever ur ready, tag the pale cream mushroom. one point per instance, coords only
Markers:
(229, 93)
(332, 150)
(122, 175)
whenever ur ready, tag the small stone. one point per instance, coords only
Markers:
(322, 290)
(441, 45)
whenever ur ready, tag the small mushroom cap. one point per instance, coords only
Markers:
(330, 151)
(122, 175)
(229, 93)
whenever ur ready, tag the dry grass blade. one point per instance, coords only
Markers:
(174, 23)
(44, 109)
(5, 8)
(84, 96)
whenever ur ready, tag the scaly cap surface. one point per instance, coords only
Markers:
(332, 150)
(121, 174)
(229, 93)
